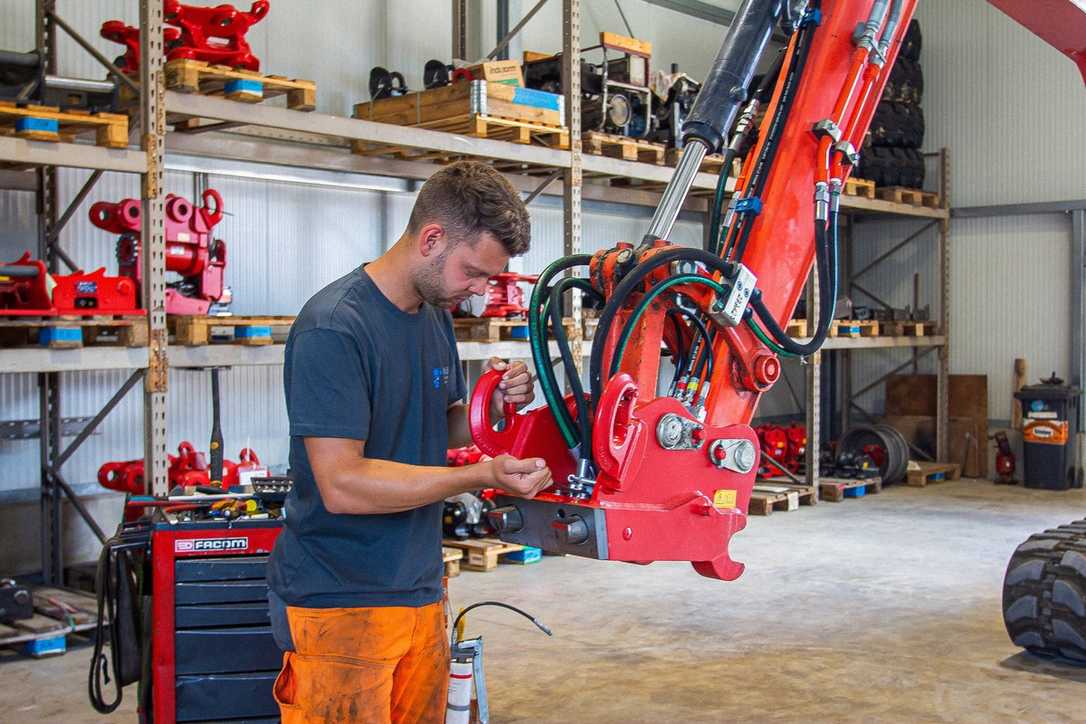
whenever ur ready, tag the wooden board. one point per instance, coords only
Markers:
(626, 44)
(834, 490)
(451, 557)
(493, 329)
(854, 328)
(916, 395)
(196, 76)
(455, 101)
(95, 330)
(624, 147)
(109, 129)
(482, 553)
(912, 197)
(909, 329)
(769, 496)
(860, 187)
(476, 126)
(57, 613)
(196, 331)
(712, 163)
(932, 473)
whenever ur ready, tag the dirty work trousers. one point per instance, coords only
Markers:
(371, 665)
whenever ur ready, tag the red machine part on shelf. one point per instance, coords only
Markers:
(191, 250)
(786, 445)
(188, 467)
(27, 289)
(215, 35)
(504, 297)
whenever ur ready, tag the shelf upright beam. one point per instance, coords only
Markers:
(52, 534)
(153, 143)
(572, 176)
(942, 382)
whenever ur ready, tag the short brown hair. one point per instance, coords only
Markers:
(468, 198)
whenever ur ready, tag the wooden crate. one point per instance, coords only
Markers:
(912, 197)
(458, 100)
(250, 331)
(932, 473)
(196, 76)
(860, 187)
(57, 613)
(451, 557)
(771, 495)
(493, 329)
(481, 553)
(854, 328)
(49, 123)
(72, 332)
(834, 490)
(624, 147)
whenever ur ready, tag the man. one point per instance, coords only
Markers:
(375, 397)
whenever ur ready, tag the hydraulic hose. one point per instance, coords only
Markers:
(584, 419)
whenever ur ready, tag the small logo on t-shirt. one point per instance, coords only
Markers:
(440, 377)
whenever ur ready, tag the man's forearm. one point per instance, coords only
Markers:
(369, 486)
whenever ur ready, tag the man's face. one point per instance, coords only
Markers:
(460, 270)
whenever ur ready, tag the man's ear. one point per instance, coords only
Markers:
(432, 239)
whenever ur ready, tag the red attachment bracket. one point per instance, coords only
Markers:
(215, 34)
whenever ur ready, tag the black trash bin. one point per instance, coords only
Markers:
(1049, 412)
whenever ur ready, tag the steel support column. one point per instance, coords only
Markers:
(153, 143)
(942, 383)
(1078, 322)
(571, 190)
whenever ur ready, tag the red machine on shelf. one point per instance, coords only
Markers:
(786, 445)
(504, 297)
(641, 476)
(28, 289)
(191, 250)
(189, 467)
(215, 35)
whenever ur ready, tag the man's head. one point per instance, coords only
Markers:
(467, 221)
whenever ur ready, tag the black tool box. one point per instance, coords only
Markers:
(213, 655)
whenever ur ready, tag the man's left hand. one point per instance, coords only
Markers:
(516, 387)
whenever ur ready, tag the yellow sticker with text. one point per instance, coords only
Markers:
(724, 499)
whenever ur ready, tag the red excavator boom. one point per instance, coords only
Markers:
(1060, 23)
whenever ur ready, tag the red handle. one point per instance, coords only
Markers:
(483, 433)
(212, 212)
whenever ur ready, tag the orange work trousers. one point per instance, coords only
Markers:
(372, 665)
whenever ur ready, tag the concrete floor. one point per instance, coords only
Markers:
(885, 608)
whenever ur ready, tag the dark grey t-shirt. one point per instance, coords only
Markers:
(359, 367)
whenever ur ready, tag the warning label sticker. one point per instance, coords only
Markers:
(724, 499)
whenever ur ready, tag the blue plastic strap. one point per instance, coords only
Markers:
(239, 85)
(60, 334)
(49, 125)
(252, 331)
(537, 99)
(751, 205)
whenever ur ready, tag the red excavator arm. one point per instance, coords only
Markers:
(1060, 23)
(650, 470)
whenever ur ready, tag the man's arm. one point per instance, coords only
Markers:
(351, 483)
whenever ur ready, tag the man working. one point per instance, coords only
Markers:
(374, 396)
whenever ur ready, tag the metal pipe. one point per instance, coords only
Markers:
(18, 271)
(90, 427)
(85, 85)
(82, 42)
(77, 504)
(72, 207)
(516, 29)
(22, 60)
(888, 31)
(667, 211)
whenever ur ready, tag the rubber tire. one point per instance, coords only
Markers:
(1044, 594)
(913, 42)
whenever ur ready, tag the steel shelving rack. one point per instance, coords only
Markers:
(278, 136)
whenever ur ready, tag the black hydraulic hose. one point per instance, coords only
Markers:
(702, 332)
(826, 251)
(530, 617)
(584, 419)
(627, 286)
(677, 353)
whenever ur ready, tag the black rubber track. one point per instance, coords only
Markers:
(1044, 594)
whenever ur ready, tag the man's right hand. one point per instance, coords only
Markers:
(522, 478)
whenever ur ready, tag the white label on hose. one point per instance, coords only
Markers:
(742, 288)
(460, 685)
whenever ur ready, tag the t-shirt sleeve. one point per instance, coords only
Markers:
(329, 387)
(458, 387)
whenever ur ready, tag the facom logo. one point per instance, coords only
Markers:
(209, 545)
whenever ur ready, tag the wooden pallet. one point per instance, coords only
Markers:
(771, 495)
(451, 557)
(932, 473)
(624, 147)
(482, 553)
(854, 328)
(476, 126)
(57, 613)
(909, 329)
(72, 332)
(196, 76)
(493, 329)
(834, 490)
(911, 197)
(712, 163)
(249, 331)
(49, 123)
(796, 328)
(860, 187)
